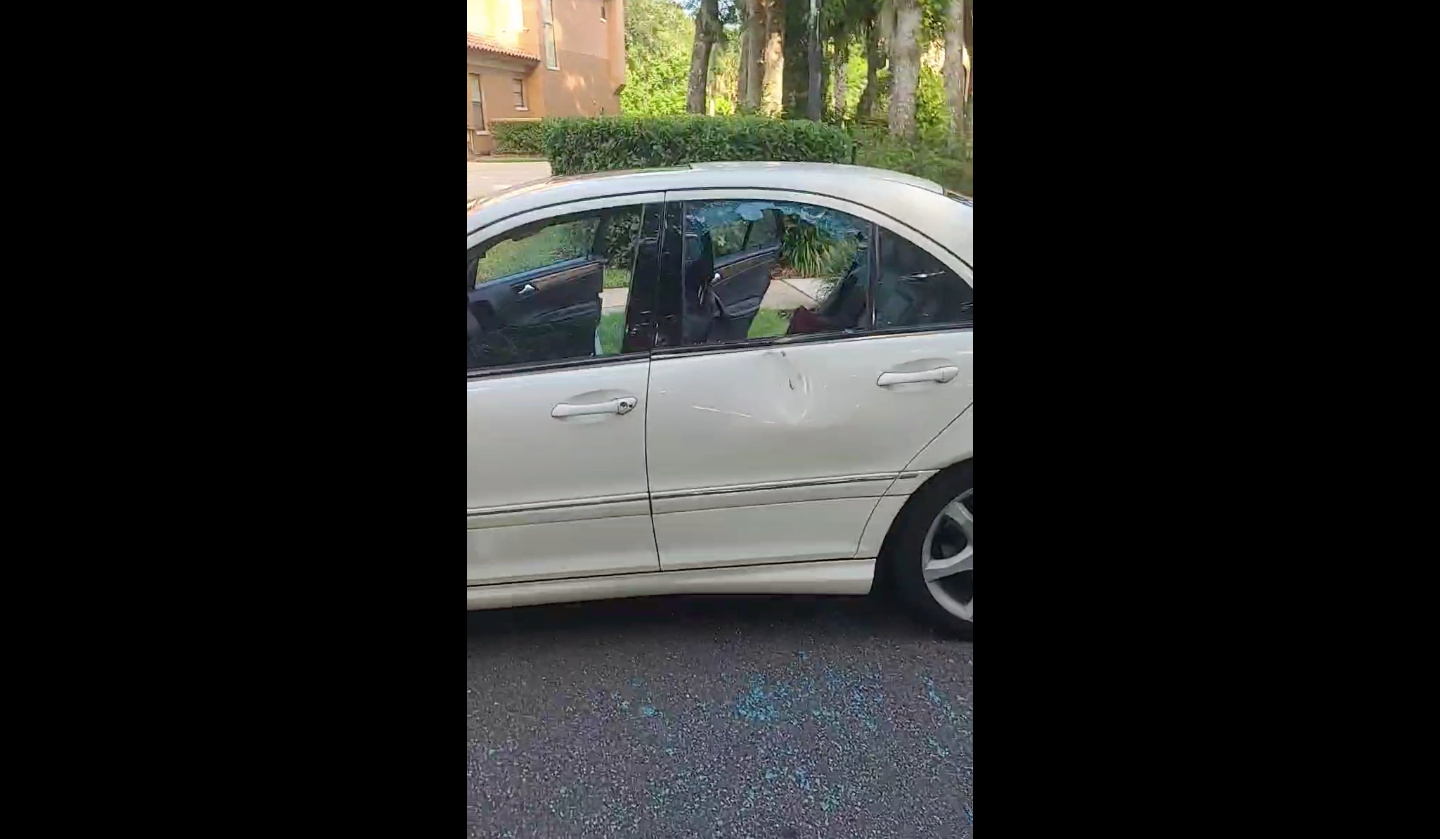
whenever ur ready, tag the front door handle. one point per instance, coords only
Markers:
(525, 290)
(939, 374)
(622, 406)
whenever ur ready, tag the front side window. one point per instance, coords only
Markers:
(547, 17)
(756, 269)
(914, 289)
(553, 290)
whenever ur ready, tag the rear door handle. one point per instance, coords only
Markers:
(939, 374)
(525, 290)
(623, 405)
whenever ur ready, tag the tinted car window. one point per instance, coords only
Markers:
(551, 291)
(757, 269)
(916, 289)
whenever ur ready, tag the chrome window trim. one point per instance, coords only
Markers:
(563, 364)
(501, 225)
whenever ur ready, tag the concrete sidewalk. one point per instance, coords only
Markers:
(782, 294)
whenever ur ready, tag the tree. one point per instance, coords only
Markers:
(707, 32)
(874, 63)
(840, 22)
(968, 118)
(903, 45)
(955, 62)
(755, 39)
(657, 58)
(742, 12)
(772, 84)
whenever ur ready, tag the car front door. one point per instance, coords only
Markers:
(775, 445)
(557, 343)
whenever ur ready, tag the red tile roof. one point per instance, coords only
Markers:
(486, 44)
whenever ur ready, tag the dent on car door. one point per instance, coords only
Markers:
(777, 447)
(555, 401)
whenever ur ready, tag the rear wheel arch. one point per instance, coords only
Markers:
(900, 570)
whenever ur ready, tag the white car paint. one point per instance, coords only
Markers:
(805, 412)
(809, 457)
(557, 497)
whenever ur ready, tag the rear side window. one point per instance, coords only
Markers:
(735, 227)
(757, 269)
(914, 289)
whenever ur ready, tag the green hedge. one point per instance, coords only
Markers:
(935, 156)
(577, 144)
(518, 137)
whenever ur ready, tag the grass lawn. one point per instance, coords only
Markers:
(769, 323)
(617, 278)
(611, 329)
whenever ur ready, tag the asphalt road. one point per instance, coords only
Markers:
(488, 178)
(771, 718)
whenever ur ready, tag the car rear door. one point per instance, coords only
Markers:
(776, 445)
(557, 370)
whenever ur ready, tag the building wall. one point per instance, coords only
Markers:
(588, 52)
(495, 75)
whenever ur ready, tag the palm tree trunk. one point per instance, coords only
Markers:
(954, 70)
(743, 65)
(755, 62)
(707, 19)
(841, 71)
(967, 119)
(904, 49)
(773, 84)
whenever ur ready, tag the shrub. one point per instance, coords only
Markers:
(526, 137)
(935, 155)
(932, 112)
(576, 144)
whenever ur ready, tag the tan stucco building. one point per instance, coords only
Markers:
(527, 59)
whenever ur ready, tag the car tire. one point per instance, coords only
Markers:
(932, 534)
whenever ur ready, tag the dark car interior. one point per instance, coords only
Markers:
(723, 295)
(542, 314)
(727, 291)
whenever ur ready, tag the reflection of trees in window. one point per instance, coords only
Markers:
(554, 244)
(814, 241)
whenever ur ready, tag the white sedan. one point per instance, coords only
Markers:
(721, 378)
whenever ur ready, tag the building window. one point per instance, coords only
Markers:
(477, 107)
(547, 17)
(517, 86)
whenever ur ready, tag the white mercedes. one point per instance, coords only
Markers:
(721, 378)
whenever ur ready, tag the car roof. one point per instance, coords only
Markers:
(921, 204)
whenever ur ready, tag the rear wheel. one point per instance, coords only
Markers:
(931, 551)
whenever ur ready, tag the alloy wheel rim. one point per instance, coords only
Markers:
(947, 557)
